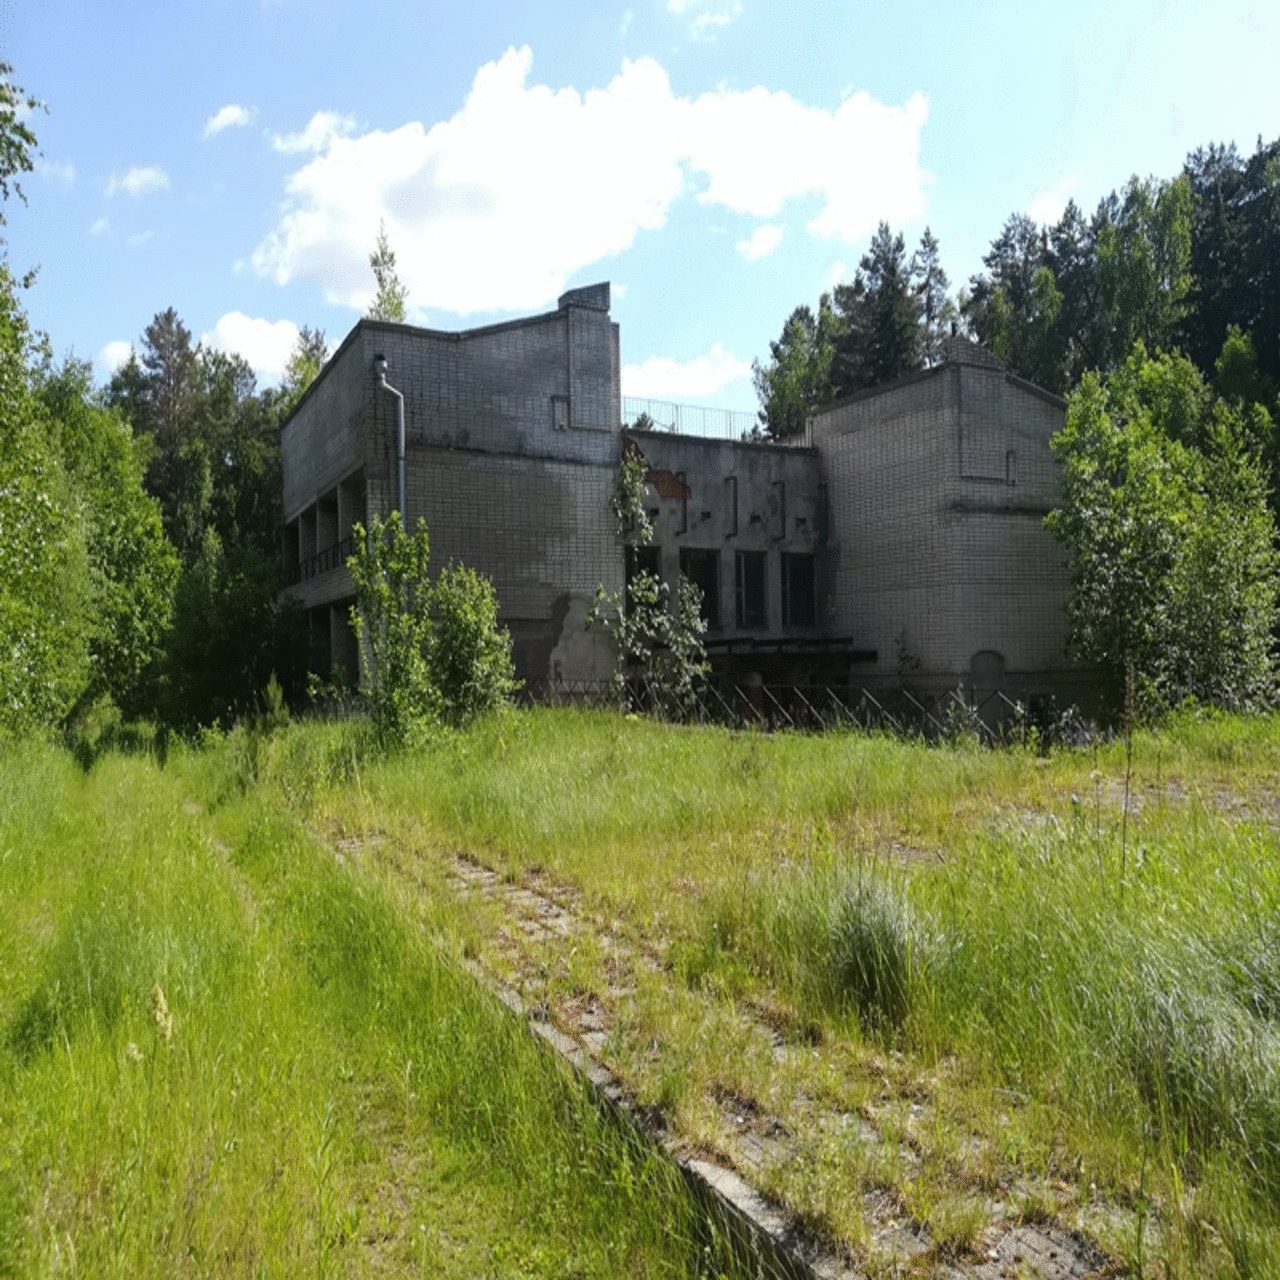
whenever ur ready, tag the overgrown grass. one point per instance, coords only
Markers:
(1091, 999)
(223, 1051)
(1107, 986)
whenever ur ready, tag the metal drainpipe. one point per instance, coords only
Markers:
(380, 369)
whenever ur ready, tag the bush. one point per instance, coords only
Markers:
(470, 656)
(430, 654)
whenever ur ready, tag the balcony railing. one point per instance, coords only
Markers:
(322, 562)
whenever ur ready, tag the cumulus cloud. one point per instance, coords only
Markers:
(113, 355)
(497, 207)
(1048, 206)
(265, 344)
(139, 182)
(761, 243)
(321, 130)
(662, 378)
(232, 116)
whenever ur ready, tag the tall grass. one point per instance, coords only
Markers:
(223, 1052)
(1119, 973)
(1139, 1008)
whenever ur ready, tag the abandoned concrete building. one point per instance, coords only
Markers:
(901, 540)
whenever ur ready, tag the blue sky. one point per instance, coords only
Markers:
(719, 161)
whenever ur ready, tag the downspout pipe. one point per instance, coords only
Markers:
(380, 372)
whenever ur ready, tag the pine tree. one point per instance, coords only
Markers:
(388, 303)
(880, 316)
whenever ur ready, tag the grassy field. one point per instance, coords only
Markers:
(235, 1039)
(222, 1052)
(1086, 987)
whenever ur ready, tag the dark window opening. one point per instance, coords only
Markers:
(702, 568)
(749, 587)
(798, 606)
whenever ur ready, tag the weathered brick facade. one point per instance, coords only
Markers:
(940, 562)
(904, 539)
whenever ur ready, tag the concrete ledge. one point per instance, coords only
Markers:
(763, 1235)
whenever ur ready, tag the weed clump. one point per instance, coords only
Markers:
(873, 950)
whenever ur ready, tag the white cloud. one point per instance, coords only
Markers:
(232, 116)
(63, 174)
(113, 355)
(662, 378)
(837, 273)
(139, 182)
(138, 238)
(495, 208)
(100, 228)
(321, 130)
(761, 243)
(265, 344)
(1048, 206)
(625, 25)
(708, 16)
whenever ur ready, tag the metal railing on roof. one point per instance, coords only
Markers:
(691, 419)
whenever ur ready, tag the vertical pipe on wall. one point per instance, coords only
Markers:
(380, 371)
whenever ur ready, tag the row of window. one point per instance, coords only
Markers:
(702, 568)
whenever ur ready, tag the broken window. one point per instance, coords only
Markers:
(749, 588)
(798, 602)
(702, 568)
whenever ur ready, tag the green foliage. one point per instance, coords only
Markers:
(18, 147)
(1056, 302)
(45, 589)
(392, 618)
(1168, 536)
(627, 501)
(1235, 254)
(661, 658)
(470, 655)
(880, 336)
(431, 654)
(874, 948)
(389, 301)
(306, 360)
(133, 568)
(212, 448)
(230, 636)
(218, 1035)
(892, 319)
(798, 375)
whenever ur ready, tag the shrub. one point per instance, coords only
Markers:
(470, 655)
(430, 654)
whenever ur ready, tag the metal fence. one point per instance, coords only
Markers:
(330, 558)
(994, 719)
(691, 419)
(953, 716)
